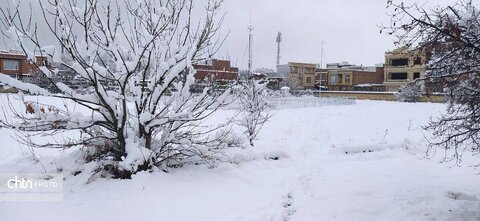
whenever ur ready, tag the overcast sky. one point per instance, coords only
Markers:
(349, 29)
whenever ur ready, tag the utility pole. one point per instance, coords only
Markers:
(250, 46)
(279, 41)
(321, 57)
(320, 73)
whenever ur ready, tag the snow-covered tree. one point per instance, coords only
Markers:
(137, 57)
(409, 92)
(450, 35)
(254, 108)
(293, 83)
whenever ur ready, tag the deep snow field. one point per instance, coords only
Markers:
(364, 161)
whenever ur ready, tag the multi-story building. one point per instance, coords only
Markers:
(16, 64)
(366, 79)
(403, 66)
(302, 75)
(219, 70)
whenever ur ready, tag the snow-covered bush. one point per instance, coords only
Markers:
(409, 92)
(137, 56)
(285, 91)
(254, 108)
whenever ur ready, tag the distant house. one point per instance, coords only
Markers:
(403, 66)
(302, 74)
(218, 70)
(346, 79)
(16, 64)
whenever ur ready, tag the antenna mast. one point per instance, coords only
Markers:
(250, 46)
(279, 41)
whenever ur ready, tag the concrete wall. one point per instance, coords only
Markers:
(385, 96)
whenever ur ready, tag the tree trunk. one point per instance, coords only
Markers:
(148, 141)
(121, 143)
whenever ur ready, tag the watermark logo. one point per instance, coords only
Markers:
(31, 187)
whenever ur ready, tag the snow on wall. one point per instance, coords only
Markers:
(303, 102)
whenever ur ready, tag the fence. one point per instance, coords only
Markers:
(292, 102)
(310, 101)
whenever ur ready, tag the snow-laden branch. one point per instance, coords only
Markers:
(136, 57)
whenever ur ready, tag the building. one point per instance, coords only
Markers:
(16, 64)
(301, 75)
(218, 70)
(321, 79)
(366, 79)
(343, 65)
(403, 66)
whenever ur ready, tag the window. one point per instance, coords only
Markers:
(309, 80)
(11, 65)
(398, 76)
(416, 75)
(335, 79)
(399, 62)
(417, 61)
(347, 78)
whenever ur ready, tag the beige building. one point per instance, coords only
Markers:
(302, 75)
(402, 66)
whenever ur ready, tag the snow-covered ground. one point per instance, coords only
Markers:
(350, 162)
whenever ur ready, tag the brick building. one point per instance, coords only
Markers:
(219, 70)
(367, 79)
(16, 64)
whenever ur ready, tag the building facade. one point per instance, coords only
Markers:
(321, 78)
(302, 75)
(403, 66)
(369, 79)
(218, 70)
(16, 64)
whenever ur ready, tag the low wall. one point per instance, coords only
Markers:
(383, 96)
